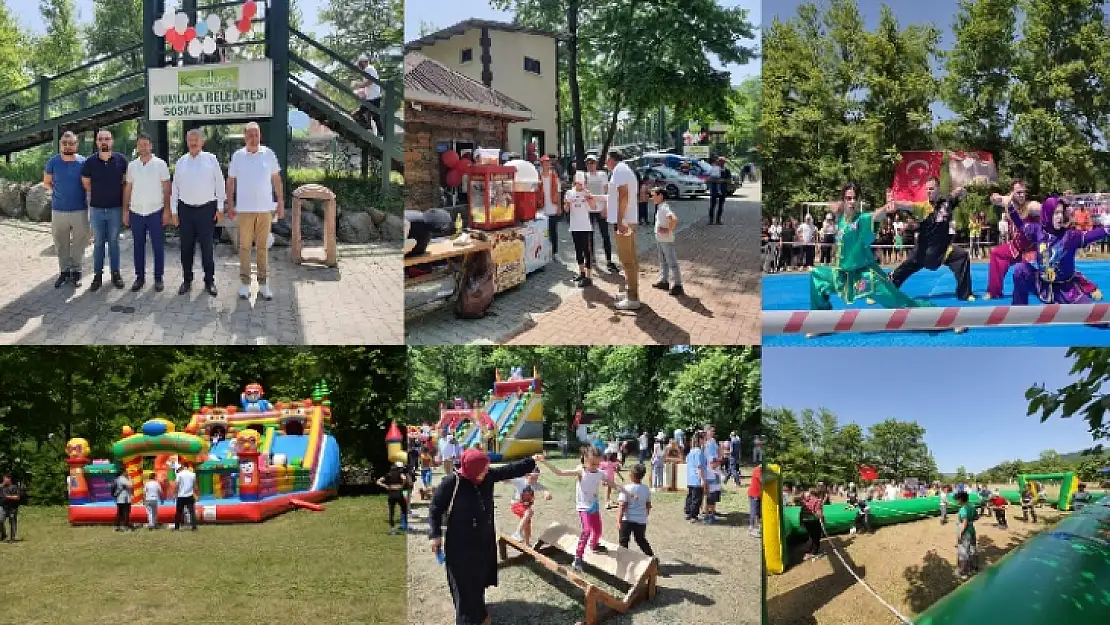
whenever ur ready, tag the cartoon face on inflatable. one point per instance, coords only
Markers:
(254, 391)
(77, 448)
(247, 441)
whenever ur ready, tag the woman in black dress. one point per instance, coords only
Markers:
(463, 502)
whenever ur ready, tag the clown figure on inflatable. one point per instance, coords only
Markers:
(251, 399)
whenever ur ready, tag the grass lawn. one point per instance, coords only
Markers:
(336, 566)
(711, 573)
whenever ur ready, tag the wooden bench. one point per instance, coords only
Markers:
(639, 571)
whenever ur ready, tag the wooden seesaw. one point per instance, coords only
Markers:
(639, 571)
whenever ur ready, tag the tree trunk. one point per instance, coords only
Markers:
(612, 129)
(573, 7)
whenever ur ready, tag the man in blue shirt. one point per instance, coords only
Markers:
(696, 470)
(69, 217)
(103, 176)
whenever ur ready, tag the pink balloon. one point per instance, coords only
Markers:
(250, 8)
(450, 158)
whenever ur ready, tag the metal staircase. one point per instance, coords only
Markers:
(113, 88)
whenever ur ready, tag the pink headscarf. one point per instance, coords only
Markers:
(474, 463)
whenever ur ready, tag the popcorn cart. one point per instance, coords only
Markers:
(525, 184)
(491, 197)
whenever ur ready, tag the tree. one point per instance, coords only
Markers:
(961, 474)
(746, 104)
(371, 27)
(898, 449)
(721, 387)
(13, 56)
(60, 48)
(1083, 397)
(115, 25)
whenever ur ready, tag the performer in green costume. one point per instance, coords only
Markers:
(857, 274)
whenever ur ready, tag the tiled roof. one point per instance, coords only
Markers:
(465, 25)
(427, 80)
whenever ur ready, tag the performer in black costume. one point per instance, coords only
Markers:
(463, 502)
(933, 246)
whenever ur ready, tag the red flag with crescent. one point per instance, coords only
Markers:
(868, 473)
(913, 171)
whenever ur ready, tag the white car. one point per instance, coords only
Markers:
(678, 185)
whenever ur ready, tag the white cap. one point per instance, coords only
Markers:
(363, 57)
(580, 176)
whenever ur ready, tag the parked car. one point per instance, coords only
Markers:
(676, 184)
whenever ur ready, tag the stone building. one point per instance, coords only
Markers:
(445, 110)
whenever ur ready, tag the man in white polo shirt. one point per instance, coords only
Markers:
(623, 191)
(253, 183)
(146, 210)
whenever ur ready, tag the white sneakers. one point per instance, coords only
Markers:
(628, 304)
(263, 291)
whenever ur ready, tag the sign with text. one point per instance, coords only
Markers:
(217, 91)
(696, 151)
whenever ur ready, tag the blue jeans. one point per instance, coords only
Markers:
(106, 224)
(141, 226)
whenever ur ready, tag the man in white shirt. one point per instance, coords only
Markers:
(597, 183)
(369, 91)
(186, 497)
(253, 181)
(623, 189)
(146, 210)
(198, 195)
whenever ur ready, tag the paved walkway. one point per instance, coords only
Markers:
(360, 302)
(720, 269)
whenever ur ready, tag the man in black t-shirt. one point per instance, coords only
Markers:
(933, 246)
(10, 497)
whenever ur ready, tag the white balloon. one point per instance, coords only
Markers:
(159, 28)
(213, 22)
(181, 23)
(195, 48)
(168, 19)
(171, 5)
(209, 45)
(231, 34)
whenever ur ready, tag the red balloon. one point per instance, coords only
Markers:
(190, 34)
(244, 25)
(250, 8)
(450, 158)
(463, 165)
(454, 178)
(179, 43)
(169, 35)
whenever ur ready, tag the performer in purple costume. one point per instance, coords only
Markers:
(1052, 278)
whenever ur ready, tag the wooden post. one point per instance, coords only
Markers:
(314, 192)
(295, 243)
(44, 97)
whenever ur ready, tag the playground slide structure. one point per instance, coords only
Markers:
(263, 463)
(1069, 485)
(781, 523)
(1061, 575)
(511, 415)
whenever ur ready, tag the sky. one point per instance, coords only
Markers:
(970, 401)
(441, 14)
(940, 13)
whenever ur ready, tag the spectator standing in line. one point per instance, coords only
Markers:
(828, 239)
(623, 189)
(103, 177)
(734, 458)
(696, 472)
(807, 233)
(146, 210)
(69, 217)
(186, 498)
(152, 496)
(789, 243)
(597, 183)
(642, 447)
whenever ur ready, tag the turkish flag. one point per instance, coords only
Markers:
(913, 171)
(868, 473)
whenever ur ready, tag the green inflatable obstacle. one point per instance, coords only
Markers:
(840, 518)
(1061, 576)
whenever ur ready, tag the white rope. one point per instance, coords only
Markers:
(865, 585)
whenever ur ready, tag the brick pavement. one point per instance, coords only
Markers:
(720, 269)
(360, 302)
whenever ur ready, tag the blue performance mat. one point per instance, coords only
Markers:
(790, 291)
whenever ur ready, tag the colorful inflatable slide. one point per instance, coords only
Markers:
(252, 462)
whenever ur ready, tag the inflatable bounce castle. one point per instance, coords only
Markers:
(508, 423)
(252, 461)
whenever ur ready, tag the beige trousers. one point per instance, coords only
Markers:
(626, 252)
(71, 236)
(254, 228)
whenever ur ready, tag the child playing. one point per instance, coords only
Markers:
(396, 482)
(944, 505)
(812, 515)
(610, 467)
(587, 500)
(863, 515)
(579, 202)
(427, 461)
(635, 505)
(713, 495)
(755, 511)
(966, 552)
(998, 505)
(665, 222)
(523, 501)
(152, 496)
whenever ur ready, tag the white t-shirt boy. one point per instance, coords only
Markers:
(579, 211)
(662, 220)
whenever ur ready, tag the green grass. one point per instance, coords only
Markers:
(336, 566)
